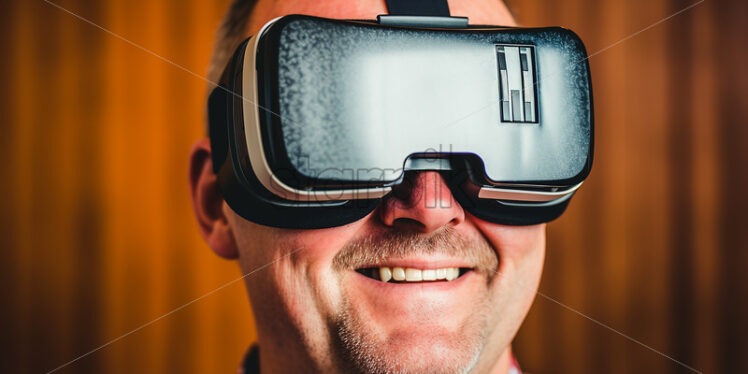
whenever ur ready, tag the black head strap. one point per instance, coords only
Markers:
(434, 8)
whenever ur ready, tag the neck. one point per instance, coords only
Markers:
(502, 365)
(275, 364)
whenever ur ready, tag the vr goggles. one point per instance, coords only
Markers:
(316, 120)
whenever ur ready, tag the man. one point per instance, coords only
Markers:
(316, 313)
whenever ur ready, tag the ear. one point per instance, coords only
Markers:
(208, 202)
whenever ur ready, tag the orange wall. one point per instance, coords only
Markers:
(98, 236)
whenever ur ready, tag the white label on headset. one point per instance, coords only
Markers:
(517, 83)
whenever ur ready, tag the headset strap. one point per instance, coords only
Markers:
(434, 8)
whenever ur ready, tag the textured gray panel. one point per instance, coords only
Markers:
(364, 97)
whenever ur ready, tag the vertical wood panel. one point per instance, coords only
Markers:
(707, 168)
(733, 116)
(86, 213)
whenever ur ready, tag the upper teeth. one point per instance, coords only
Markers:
(416, 275)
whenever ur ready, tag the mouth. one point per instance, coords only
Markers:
(402, 274)
(422, 293)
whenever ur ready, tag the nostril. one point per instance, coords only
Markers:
(408, 223)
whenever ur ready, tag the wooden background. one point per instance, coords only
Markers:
(97, 236)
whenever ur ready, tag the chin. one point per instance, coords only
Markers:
(419, 349)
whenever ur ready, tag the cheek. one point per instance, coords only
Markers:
(521, 249)
(514, 243)
(262, 246)
(317, 248)
(521, 252)
(299, 279)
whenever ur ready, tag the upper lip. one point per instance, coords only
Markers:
(420, 262)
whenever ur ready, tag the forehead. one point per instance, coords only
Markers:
(486, 12)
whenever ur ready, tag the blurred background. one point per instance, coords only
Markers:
(97, 236)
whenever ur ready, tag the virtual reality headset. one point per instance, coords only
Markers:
(316, 120)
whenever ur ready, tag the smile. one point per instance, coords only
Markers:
(397, 274)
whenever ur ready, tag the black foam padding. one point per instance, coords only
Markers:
(217, 125)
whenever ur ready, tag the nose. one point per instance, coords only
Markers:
(423, 203)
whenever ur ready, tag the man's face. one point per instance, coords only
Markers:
(320, 301)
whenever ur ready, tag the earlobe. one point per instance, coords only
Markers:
(208, 204)
(221, 239)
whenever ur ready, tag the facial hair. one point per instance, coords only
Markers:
(362, 352)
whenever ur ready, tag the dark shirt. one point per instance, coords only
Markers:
(251, 362)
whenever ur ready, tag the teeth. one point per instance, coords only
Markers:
(429, 274)
(413, 275)
(441, 273)
(398, 274)
(385, 274)
(417, 275)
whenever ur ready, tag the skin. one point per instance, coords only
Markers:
(316, 314)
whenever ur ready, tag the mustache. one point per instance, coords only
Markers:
(371, 250)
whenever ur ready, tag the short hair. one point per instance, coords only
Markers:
(230, 34)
